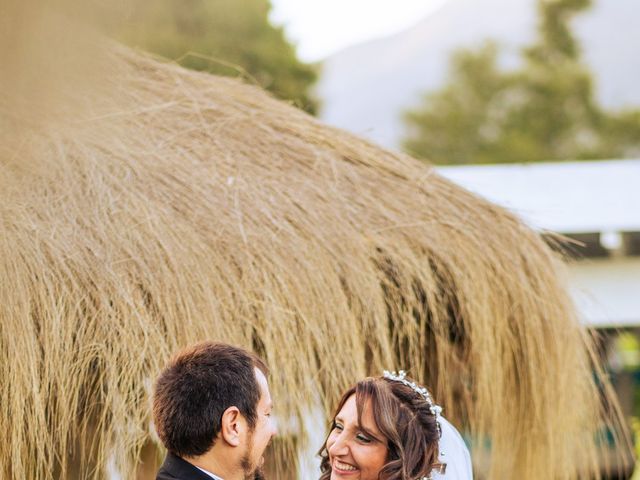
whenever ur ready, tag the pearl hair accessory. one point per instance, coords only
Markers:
(401, 377)
(435, 410)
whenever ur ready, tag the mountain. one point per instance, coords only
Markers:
(366, 87)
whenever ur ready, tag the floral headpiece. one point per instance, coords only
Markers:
(436, 410)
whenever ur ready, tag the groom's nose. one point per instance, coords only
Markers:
(272, 426)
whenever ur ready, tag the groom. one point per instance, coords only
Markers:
(212, 411)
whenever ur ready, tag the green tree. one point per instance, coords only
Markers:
(226, 37)
(545, 110)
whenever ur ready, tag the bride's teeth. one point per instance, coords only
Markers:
(344, 466)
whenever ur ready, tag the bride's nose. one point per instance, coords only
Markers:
(338, 447)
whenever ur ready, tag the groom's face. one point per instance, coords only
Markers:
(262, 433)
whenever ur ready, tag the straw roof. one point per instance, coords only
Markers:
(145, 207)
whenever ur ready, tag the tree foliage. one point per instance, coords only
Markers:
(226, 37)
(544, 110)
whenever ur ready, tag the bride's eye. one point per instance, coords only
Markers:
(337, 426)
(363, 438)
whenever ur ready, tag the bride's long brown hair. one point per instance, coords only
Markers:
(403, 417)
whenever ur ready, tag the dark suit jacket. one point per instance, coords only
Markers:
(175, 468)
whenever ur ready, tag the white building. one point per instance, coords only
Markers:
(595, 203)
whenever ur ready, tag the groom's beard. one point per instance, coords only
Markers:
(258, 474)
(251, 472)
(245, 463)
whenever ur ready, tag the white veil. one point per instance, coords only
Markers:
(453, 452)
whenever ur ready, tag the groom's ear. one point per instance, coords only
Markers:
(231, 426)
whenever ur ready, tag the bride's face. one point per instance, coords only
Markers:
(356, 451)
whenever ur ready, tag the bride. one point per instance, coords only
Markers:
(388, 428)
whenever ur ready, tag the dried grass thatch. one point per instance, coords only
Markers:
(145, 207)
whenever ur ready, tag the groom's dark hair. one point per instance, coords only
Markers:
(195, 389)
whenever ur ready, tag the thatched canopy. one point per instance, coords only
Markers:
(144, 207)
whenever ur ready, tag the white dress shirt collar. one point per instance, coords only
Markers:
(208, 473)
